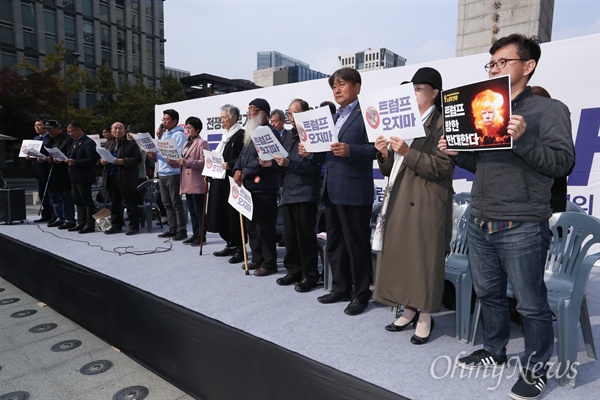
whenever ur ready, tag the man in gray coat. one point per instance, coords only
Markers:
(509, 235)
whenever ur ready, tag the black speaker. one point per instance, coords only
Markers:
(12, 205)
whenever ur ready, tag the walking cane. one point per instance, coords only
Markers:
(244, 244)
(45, 190)
(203, 214)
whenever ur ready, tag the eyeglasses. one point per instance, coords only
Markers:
(501, 63)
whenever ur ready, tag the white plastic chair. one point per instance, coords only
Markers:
(458, 272)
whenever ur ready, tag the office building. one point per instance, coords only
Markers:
(177, 73)
(125, 35)
(274, 68)
(271, 59)
(480, 23)
(372, 59)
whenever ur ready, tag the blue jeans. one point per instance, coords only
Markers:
(194, 204)
(516, 255)
(63, 205)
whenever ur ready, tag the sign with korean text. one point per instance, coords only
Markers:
(267, 145)
(31, 148)
(316, 129)
(168, 148)
(213, 165)
(476, 116)
(392, 111)
(240, 199)
(145, 141)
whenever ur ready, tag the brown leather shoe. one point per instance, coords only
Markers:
(251, 266)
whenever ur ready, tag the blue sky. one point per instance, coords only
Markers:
(222, 37)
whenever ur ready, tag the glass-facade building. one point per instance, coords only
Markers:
(300, 73)
(125, 35)
(274, 68)
(270, 59)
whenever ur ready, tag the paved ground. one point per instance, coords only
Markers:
(45, 356)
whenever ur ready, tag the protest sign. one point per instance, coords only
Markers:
(213, 164)
(145, 141)
(105, 154)
(168, 148)
(392, 111)
(316, 129)
(476, 115)
(56, 154)
(31, 146)
(267, 145)
(240, 199)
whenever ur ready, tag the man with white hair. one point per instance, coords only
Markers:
(261, 178)
(222, 217)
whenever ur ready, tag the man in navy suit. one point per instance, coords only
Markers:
(348, 196)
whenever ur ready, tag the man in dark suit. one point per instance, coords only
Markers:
(82, 161)
(40, 172)
(121, 179)
(59, 184)
(348, 196)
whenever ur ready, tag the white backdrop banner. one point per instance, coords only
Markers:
(568, 69)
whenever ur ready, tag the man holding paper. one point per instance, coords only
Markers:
(59, 184)
(41, 170)
(508, 232)
(169, 178)
(261, 178)
(121, 179)
(348, 194)
(301, 192)
(223, 218)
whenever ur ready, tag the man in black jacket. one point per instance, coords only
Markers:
(59, 185)
(301, 192)
(121, 179)
(261, 178)
(82, 160)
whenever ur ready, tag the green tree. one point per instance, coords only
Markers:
(170, 90)
(105, 87)
(135, 105)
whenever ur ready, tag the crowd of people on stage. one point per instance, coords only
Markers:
(508, 231)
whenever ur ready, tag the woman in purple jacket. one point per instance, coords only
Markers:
(193, 184)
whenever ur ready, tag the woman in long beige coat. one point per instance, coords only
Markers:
(418, 216)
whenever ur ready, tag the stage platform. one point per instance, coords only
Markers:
(215, 333)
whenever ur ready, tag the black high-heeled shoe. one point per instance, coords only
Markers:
(422, 340)
(399, 328)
